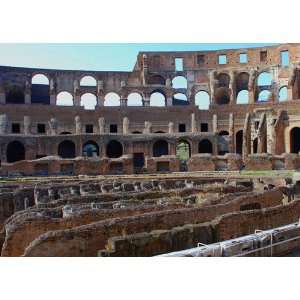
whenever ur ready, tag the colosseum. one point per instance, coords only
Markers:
(189, 148)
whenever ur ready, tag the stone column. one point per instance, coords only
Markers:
(76, 93)
(52, 92)
(193, 124)
(215, 123)
(53, 125)
(231, 133)
(101, 122)
(146, 100)
(148, 127)
(251, 87)
(275, 88)
(78, 125)
(232, 88)
(100, 93)
(171, 127)
(123, 101)
(125, 125)
(27, 92)
(169, 101)
(27, 125)
(3, 124)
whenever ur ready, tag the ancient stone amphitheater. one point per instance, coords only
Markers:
(151, 161)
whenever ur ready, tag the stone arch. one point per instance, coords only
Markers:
(223, 80)
(90, 149)
(157, 79)
(15, 95)
(283, 94)
(40, 89)
(205, 146)
(160, 148)
(180, 99)
(223, 132)
(242, 82)
(158, 98)
(64, 99)
(239, 142)
(264, 96)
(88, 101)
(295, 140)
(179, 82)
(112, 99)
(202, 100)
(15, 151)
(242, 97)
(222, 95)
(134, 99)
(264, 79)
(67, 149)
(88, 80)
(183, 150)
(114, 149)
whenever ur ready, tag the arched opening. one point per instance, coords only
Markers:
(64, 99)
(222, 95)
(136, 132)
(15, 151)
(156, 79)
(264, 79)
(242, 84)
(223, 142)
(255, 146)
(202, 100)
(283, 94)
(134, 99)
(239, 142)
(180, 99)
(88, 101)
(159, 131)
(157, 99)
(264, 82)
(179, 82)
(114, 149)
(223, 80)
(264, 96)
(66, 149)
(112, 99)
(40, 91)
(223, 132)
(242, 97)
(183, 153)
(15, 96)
(65, 133)
(160, 148)
(88, 81)
(90, 149)
(295, 140)
(205, 146)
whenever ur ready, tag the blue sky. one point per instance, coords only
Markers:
(102, 57)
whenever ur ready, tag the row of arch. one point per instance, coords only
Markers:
(16, 151)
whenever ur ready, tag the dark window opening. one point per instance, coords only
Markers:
(89, 128)
(15, 151)
(204, 127)
(160, 148)
(15, 128)
(41, 128)
(90, 149)
(181, 128)
(138, 161)
(113, 128)
(66, 149)
(256, 124)
(114, 149)
(263, 56)
(200, 59)
(205, 146)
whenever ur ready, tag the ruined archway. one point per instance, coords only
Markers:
(179, 82)
(283, 94)
(112, 99)
(242, 97)
(40, 89)
(134, 99)
(239, 142)
(202, 100)
(66, 149)
(114, 149)
(160, 147)
(15, 95)
(64, 99)
(205, 146)
(15, 151)
(88, 101)
(90, 149)
(295, 140)
(157, 98)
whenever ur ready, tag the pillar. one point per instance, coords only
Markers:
(231, 134)
(101, 122)
(193, 123)
(125, 125)
(215, 123)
